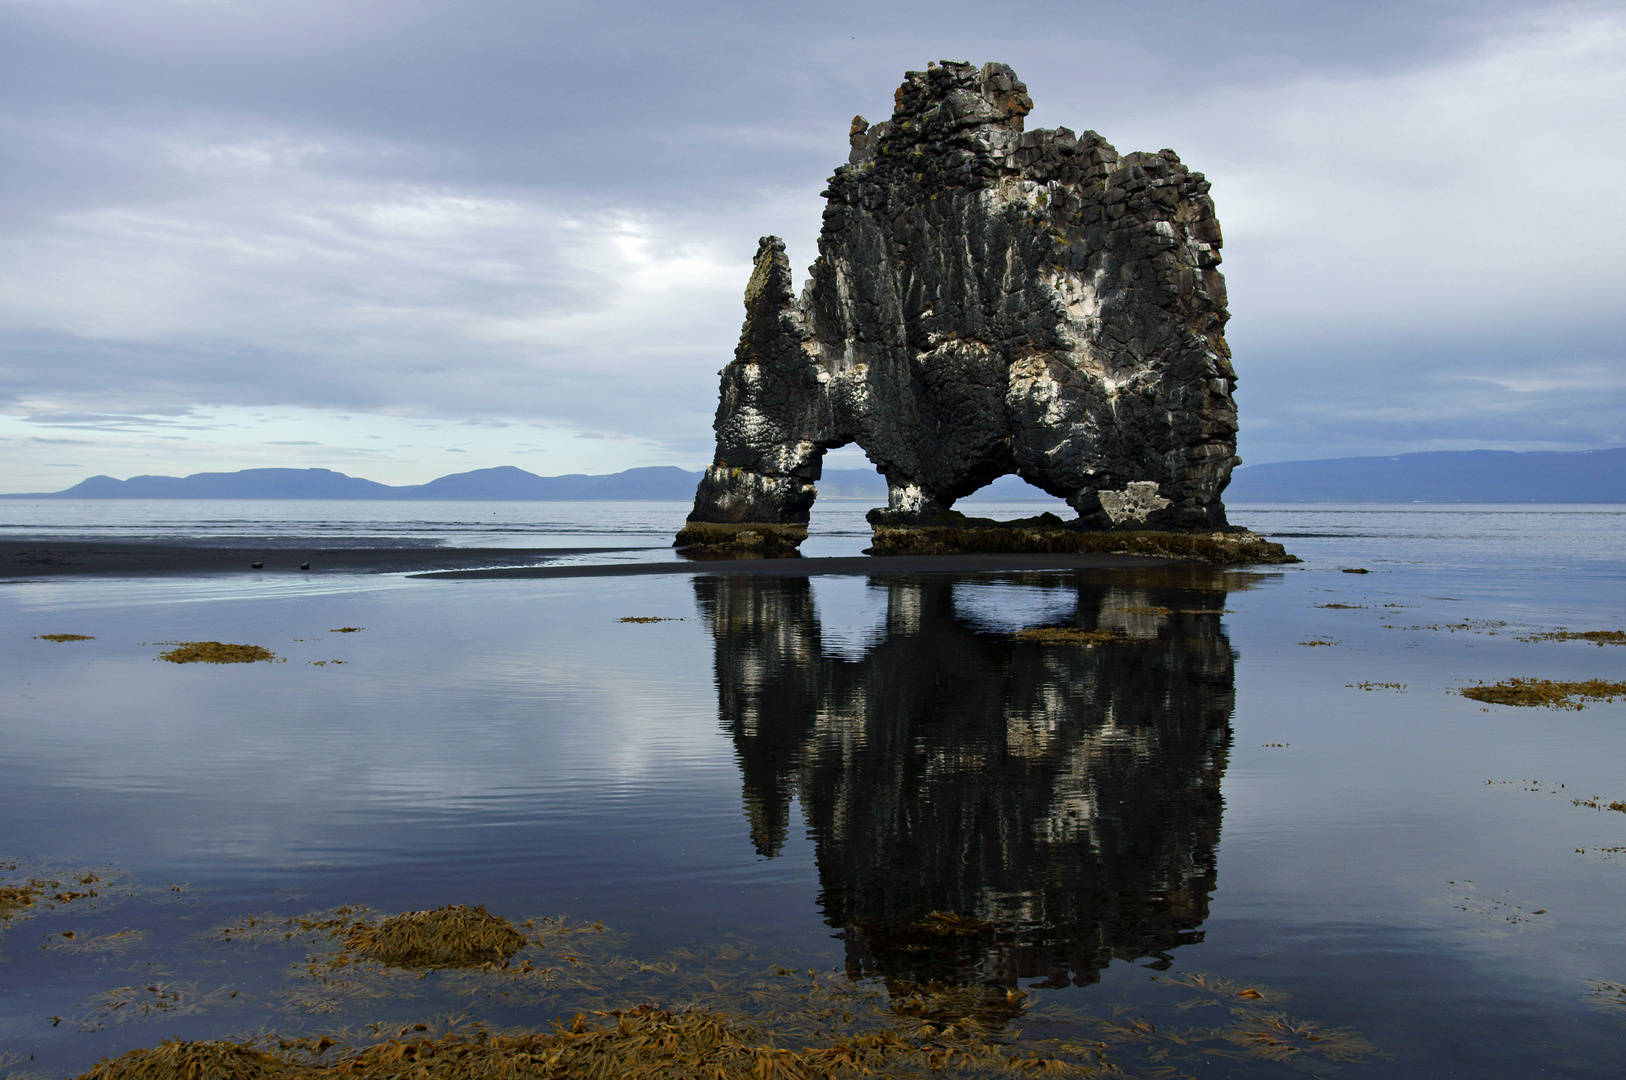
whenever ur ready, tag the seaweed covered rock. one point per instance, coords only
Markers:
(986, 300)
(450, 936)
(1230, 547)
(176, 1059)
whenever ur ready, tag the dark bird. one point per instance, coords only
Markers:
(304, 566)
(257, 565)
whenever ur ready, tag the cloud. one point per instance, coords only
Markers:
(540, 216)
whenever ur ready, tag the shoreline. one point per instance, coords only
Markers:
(25, 560)
(851, 565)
(20, 559)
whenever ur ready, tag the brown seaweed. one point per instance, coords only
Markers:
(215, 652)
(1067, 635)
(174, 1059)
(1553, 695)
(449, 936)
(1600, 638)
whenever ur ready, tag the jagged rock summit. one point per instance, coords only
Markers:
(986, 300)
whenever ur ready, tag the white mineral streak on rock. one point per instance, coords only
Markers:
(1135, 503)
(908, 499)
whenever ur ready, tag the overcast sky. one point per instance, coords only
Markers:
(404, 238)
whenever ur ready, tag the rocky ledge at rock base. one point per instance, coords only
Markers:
(986, 300)
(1230, 547)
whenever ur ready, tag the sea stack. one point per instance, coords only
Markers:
(986, 300)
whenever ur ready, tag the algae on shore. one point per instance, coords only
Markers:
(722, 1012)
(1555, 695)
(174, 1059)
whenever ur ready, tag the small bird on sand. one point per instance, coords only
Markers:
(257, 565)
(304, 566)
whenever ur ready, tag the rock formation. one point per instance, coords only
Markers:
(986, 300)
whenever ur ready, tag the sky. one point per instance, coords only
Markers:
(403, 238)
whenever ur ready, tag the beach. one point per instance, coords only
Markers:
(135, 558)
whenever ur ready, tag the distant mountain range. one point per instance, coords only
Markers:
(503, 483)
(1444, 476)
(1447, 476)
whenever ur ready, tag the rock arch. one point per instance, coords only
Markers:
(986, 300)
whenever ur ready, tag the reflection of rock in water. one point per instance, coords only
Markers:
(1060, 801)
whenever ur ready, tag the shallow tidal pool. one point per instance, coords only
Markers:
(1240, 824)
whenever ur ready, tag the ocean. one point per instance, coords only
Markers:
(1216, 823)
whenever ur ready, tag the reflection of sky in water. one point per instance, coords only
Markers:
(511, 743)
(1004, 607)
(852, 614)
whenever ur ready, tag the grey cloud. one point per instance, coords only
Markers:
(542, 213)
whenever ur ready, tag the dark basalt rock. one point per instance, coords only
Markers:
(986, 300)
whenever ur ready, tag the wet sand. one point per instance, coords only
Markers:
(853, 564)
(139, 558)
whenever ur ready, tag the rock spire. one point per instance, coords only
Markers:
(986, 300)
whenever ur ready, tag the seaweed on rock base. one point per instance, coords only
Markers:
(1238, 548)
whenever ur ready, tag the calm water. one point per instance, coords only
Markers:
(1204, 827)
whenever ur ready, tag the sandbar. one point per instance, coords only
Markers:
(813, 567)
(141, 558)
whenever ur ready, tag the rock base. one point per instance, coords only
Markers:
(746, 539)
(1230, 548)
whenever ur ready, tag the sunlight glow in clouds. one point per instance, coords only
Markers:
(243, 223)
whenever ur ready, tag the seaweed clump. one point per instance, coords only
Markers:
(22, 899)
(175, 1059)
(16, 898)
(215, 652)
(451, 936)
(1554, 695)
(640, 1041)
(1600, 638)
(1067, 635)
(63, 637)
